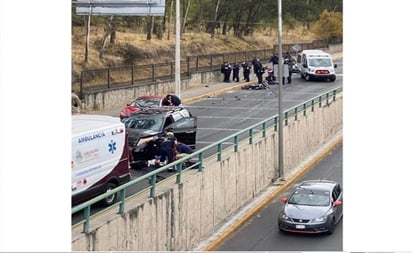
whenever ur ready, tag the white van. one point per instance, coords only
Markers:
(100, 157)
(316, 64)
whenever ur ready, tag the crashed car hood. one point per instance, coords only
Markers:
(135, 135)
(305, 212)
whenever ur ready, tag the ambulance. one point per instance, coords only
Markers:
(316, 65)
(100, 157)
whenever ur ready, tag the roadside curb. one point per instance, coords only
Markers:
(213, 93)
(274, 193)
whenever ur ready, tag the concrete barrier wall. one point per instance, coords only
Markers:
(181, 214)
(113, 98)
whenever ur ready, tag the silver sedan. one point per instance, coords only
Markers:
(315, 206)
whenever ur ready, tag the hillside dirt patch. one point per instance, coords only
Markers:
(133, 48)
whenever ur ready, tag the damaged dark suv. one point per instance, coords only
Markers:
(147, 126)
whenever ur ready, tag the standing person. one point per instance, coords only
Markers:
(287, 72)
(246, 71)
(275, 61)
(290, 62)
(289, 57)
(254, 64)
(76, 103)
(259, 71)
(236, 72)
(225, 69)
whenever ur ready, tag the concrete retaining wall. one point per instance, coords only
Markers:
(181, 214)
(113, 98)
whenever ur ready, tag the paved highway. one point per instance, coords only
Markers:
(227, 113)
(261, 232)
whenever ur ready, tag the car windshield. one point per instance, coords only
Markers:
(320, 62)
(154, 124)
(146, 102)
(310, 198)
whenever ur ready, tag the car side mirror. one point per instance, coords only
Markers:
(284, 200)
(335, 66)
(337, 203)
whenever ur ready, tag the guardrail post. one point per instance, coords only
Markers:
(219, 151)
(304, 109)
(334, 95)
(122, 201)
(236, 143)
(210, 62)
(197, 63)
(264, 129)
(296, 113)
(286, 118)
(132, 74)
(313, 105)
(108, 78)
(188, 66)
(179, 173)
(86, 215)
(250, 136)
(320, 101)
(200, 162)
(327, 99)
(275, 124)
(81, 85)
(152, 185)
(153, 72)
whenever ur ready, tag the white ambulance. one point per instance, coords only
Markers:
(316, 65)
(100, 157)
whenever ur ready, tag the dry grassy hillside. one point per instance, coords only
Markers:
(157, 50)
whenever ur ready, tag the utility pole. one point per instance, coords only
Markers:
(177, 50)
(280, 111)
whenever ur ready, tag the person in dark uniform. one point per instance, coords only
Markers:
(171, 100)
(246, 71)
(226, 69)
(259, 71)
(168, 150)
(254, 64)
(235, 69)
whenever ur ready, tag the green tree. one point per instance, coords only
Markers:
(329, 26)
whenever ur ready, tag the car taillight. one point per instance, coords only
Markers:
(322, 72)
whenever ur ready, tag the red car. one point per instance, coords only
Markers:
(140, 102)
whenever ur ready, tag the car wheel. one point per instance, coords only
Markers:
(307, 77)
(332, 226)
(332, 79)
(112, 198)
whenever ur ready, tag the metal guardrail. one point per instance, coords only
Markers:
(123, 76)
(250, 133)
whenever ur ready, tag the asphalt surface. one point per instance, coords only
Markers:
(260, 232)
